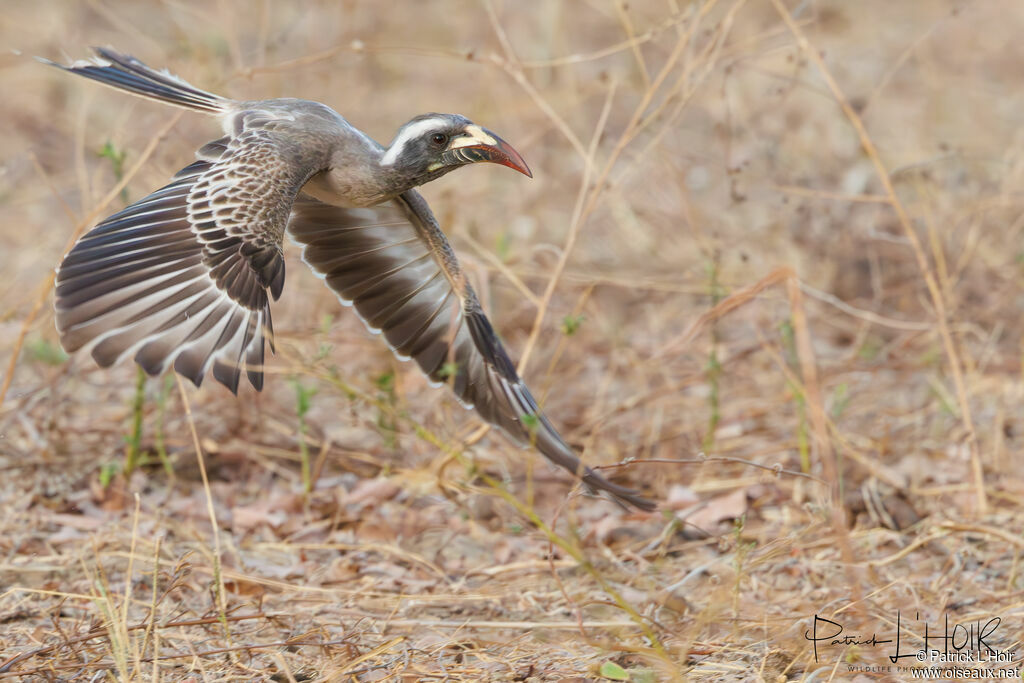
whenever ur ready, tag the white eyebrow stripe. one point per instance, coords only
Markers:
(409, 133)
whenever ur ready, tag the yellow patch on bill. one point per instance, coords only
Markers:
(476, 136)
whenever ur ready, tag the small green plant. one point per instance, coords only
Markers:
(161, 413)
(742, 550)
(932, 357)
(385, 382)
(840, 399)
(947, 402)
(502, 247)
(643, 675)
(531, 422)
(385, 420)
(303, 401)
(324, 347)
(45, 351)
(323, 352)
(133, 442)
(116, 157)
(448, 370)
(803, 440)
(870, 349)
(107, 473)
(613, 672)
(713, 367)
(571, 324)
(714, 371)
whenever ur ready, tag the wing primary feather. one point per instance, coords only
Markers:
(395, 292)
(184, 277)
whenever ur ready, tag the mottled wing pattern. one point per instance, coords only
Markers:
(393, 264)
(185, 276)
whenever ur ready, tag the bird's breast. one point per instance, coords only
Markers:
(345, 189)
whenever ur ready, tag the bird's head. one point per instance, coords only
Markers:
(431, 145)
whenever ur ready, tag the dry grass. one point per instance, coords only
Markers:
(770, 269)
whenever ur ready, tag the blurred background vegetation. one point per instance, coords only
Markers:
(682, 153)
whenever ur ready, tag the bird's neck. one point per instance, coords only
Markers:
(355, 186)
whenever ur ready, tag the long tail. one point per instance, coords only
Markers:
(124, 72)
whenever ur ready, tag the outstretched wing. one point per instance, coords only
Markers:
(185, 276)
(395, 266)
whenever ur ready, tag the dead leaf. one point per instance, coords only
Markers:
(707, 516)
(372, 492)
(248, 517)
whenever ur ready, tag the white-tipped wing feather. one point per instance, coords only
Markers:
(393, 264)
(185, 276)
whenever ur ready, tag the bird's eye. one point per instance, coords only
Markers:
(439, 138)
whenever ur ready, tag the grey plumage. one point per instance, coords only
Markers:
(185, 276)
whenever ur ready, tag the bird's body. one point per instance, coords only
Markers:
(184, 278)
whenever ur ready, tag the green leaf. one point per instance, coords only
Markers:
(613, 671)
(110, 152)
(502, 247)
(840, 399)
(107, 473)
(642, 676)
(116, 158)
(571, 323)
(449, 369)
(303, 398)
(386, 381)
(870, 349)
(44, 351)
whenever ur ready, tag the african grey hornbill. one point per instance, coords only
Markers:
(185, 277)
